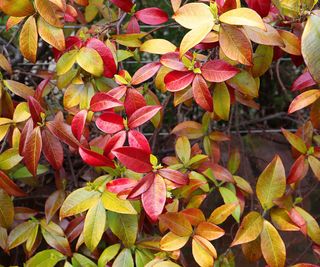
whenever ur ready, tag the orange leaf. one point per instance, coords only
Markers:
(209, 231)
(203, 251)
(177, 223)
(50, 12)
(303, 100)
(29, 39)
(33, 150)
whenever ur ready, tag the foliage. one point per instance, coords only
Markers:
(117, 201)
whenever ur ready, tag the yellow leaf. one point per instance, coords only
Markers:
(235, 44)
(268, 37)
(19, 88)
(66, 61)
(50, 12)
(272, 246)
(158, 46)
(29, 39)
(271, 183)
(4, 64)
(244, 83)
(90, 60)
(310, 43)
(304, 99)
(315, 166)
(175, 4)
(113, 203)
(21, 112)
(221, 101)
(193, 15)
(282, 221)
(242, 16)
(250, 228)
(9, 159)
(220, 214)
(183, 149)
(195, 36)
(17, 8)
(51, 34)
(13, 21)
(203, 251)
(172, 242)
(6, 210)
(292, 43)
(94, 225)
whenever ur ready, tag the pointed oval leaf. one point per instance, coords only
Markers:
(29, 39)
(90, 60)
(304, 99)
(142, 115)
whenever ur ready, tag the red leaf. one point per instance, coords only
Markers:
(174, 176)
(298, 170)
(262, 7)
(142, 186)
(110, 67)
(95, 159)
(304, 81)
(110, 122)
(202, 94)
(172, 60)
(298, 220)
(38, 94)
(125, 5)
(178, 80)
(103, 101)
(133, 25)
(9, 186)
(116, 141)
(134, 158)
(138, 140)
(122, 184)
(26, 131)
(78, 123)
(145, 73)
(118, 92)
(218, 71)
(134, 100)
(152, 16)
(63, 132)
(52, 149)
(226, 5)
(33, 150)
(35, 109)
(154, 199)
(142, 115)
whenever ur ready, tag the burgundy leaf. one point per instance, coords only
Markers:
(95, 159)
(52, 149)
(138, 140)
(125, 5)
(178, 80)
(202, 94)
(26, 131)
(142, 115)
(110, 67)
(304, 81)
(78, 123)
(103, 101)
(9, 186)
(172, 60)
(32, 150)
(134, 158)
(174, 176)
(134, 100)
(145, 73)
(114, 142)
(110, 122)
(262, 7)
(154, 199)
(152, 16)
(35, 109)
(218, 71)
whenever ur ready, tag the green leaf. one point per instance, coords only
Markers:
(20, 234)
(6, 210)
(230, 197)
(262, 60)
(66, 61)
(310, 42)
(244, 83)
(113, 203)
(271, 183)
(295, 141)
(124, 259)
(250, 228)
(94, 225)
(79, 260)
(108, 254)
(90, 60)
(272, 246)
(79, 201)
(183, 149)
(221, 101)
(142, 257)
(47, 258)
(23, 172)
(9, 159)
(124, 226)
